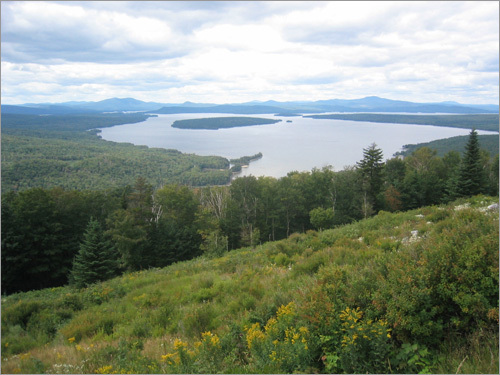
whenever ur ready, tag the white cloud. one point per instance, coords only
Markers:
(237, 51)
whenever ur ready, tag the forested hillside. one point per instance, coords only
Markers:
(397, 293)
(489, 143)
(48, 151)
(148, 227)
(477, 121)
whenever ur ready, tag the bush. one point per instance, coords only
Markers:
(199, 319)
(90, 322)
(280, 345)
(359, 346)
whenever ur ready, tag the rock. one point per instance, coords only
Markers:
(493, 207)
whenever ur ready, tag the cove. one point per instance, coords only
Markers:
(300, 145)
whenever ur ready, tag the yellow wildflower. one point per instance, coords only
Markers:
(71, 340)
(178, 344)
(104, 370)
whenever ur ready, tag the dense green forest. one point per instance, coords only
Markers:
(149, 227)
(215, 123)
(489, 143)
(480, 122)
(411, 292)
(47, 151)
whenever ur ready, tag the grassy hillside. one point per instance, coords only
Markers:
(401, 293)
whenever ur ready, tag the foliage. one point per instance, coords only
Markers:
(47, 151)
(358, 346)
(371, 169)
(281, 344)
(95, 260)
(471, 180)
(480, 121)
(488, 142)
(415, 291)
(215, 123)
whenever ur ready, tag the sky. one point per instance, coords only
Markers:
(240, 51)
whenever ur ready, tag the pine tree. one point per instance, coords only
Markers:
(471, 173)
(371, 168)
(95, 260)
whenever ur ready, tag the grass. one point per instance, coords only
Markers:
(137, 322)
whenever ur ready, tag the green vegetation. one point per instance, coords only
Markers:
(215, 123)
(406, 292)
(43, 229)
(488, 142)
(95, 260)
(48, 151)
(244, 160)
(480, 122)
(204, 286)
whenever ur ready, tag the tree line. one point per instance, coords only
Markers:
(46, 151)
(54, 236)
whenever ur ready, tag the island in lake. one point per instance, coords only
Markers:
(215, 123)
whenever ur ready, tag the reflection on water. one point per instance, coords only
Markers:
(301, 145)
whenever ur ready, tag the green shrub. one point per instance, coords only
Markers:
(89, 322)
(280, 345)
(311, 264)
(281, 259)
(20, 313)
(198, 319)
(360, 345)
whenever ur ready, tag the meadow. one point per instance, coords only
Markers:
(407, 292)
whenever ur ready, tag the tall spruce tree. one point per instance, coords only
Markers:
(371, 168)
(95, 260)
(471, 179)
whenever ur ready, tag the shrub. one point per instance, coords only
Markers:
(90, 322)
(20, 313)
(359, 346)
(200, 319)
(280, 345)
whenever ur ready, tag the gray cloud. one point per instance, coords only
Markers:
(246, 50)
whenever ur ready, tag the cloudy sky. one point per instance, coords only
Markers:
(238, 51)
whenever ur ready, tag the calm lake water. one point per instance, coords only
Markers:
(301, 145)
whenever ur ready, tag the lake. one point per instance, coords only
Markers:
(300, 145)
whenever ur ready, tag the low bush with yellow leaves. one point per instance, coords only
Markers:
(359, 346)
(280, 346)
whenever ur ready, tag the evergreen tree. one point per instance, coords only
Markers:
(471, 173)
(371, 168)
(95, 260)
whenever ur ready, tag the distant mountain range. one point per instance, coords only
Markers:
(372, 104)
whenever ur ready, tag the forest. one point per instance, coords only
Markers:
(489, 143)
(65, 151)
(215, 123)
(467, 121)
(151, 227)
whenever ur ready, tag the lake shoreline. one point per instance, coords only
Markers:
(305, 144)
